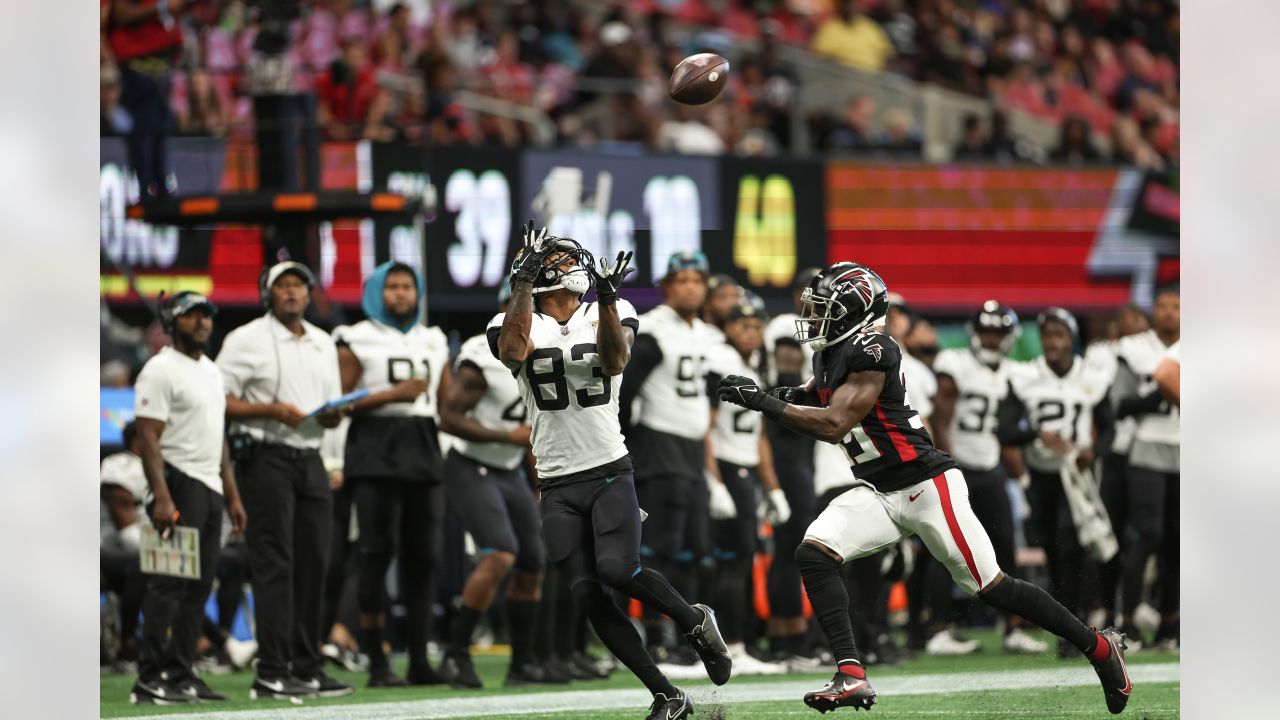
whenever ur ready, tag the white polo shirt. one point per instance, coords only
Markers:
(262, 362)
(189, 398)
(124, 469)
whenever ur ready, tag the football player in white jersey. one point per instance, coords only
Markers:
(666, 384)
(492, 497)
(568, 356)
(972, 382)
(741, 461)
(1055, 411)
(1153, 498)
(790, 364)
(723, 293)
(392, 462)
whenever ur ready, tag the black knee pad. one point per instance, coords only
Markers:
(615, 571)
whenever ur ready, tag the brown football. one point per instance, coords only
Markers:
(698, 79)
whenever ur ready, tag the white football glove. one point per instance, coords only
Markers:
(779, 508)
(722, 505)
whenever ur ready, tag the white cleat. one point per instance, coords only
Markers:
(241, 652)
(946, 643)
(745, 664)
(1019, 642)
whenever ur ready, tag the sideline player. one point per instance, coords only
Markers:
(393, 461)
(482, 407)
(1065, 406)
(972, 382)
(856, 399)
(741, 461)
(569, 356)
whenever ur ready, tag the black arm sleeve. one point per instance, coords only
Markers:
(713, 383)
(645, 356)
(1104, 420)
(1013, 427)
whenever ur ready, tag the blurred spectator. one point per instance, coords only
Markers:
(854, 39)
(1129, 148)
(922, 342)
(345, 92)
(114, 374)
(973, 142)
(123, 487)
(145, 38)
(202, 113)
(899, 25)
(686, 133)
(113, 119)
(853, 132)
(1075, 146)
(446, 122)
(901, 136)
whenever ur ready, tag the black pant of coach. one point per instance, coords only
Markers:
(173, 607)
(287, 498)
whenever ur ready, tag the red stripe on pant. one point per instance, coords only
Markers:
(944, 496)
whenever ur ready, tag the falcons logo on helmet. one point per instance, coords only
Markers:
(856, 280)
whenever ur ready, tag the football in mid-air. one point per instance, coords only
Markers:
(698, 79)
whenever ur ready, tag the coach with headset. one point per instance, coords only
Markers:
(278, 369)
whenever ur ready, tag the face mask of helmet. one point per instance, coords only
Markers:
(576, 280)
(994, 317)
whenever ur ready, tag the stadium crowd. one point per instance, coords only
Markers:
(433, 597)
(390, 71)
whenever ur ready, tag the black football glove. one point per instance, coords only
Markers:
(790, 395)
(744, 392)
(1152, 402)
(609, 279)
(529, 260)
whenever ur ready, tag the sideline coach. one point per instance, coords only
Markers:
(277, 369)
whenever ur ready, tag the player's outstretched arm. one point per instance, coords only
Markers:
(514, 343)
(613, 341)
(456, 402)
(849, 404)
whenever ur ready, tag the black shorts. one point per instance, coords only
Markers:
(592, 529)
(736, 537)
(673, 490)
(498, 508)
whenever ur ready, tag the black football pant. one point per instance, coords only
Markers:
(735, 550)
(793, 463)
(341, 559)
(1152, 529)
(1114, 489)
(403, 520)
(121, 573)
(290, 506)
(173, 608)
(1050, 527)
(989, 498)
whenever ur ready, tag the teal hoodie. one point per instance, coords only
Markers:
(372, 300)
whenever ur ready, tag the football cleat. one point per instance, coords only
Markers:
(531, 674)
(1116, 684)
(585, 667)
(706, 640)
(459, 671)
(384, 677)
(842, 691)
(325, 686)
(280, 689)
(670, 708)
(194, 687)
(158, 693)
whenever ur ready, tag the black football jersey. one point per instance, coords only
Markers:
(890, 447)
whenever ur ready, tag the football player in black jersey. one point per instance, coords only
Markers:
(856, 400)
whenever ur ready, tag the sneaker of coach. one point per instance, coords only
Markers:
(282, 688)
(670, 708)
(326, 686)
(946, 643)
(193, 686)
(1019, 642)
(158, 692)
(1112, 673)
(706, 640)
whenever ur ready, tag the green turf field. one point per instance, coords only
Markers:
(985, 685)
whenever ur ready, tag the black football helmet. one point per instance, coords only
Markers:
(576, 280)
(994, 315)
(1062, 315)
(839, 302)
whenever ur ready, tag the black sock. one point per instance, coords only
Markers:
(620, 636)
(829, 599)
(1039, 607)
(653, 590)
(371, 645)
(464, 625)
(522, 617)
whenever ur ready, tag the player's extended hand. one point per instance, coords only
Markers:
(533, 251)
(745, 392)
(779, 509)
(288, 414)
(790, 395)
(609, 278)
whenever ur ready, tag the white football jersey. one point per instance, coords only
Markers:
(1143, 353)
(573, 407)
(673, 398)
(1102, 355)
(388, 356)
(501, 406)
(735, 436)
(920, 384)
(973, 426)
(831, 468)
(1062, 405)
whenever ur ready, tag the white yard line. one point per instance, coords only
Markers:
(637, 699)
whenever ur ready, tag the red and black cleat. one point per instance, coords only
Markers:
(842, 691)
(1116, 684)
